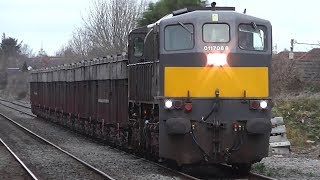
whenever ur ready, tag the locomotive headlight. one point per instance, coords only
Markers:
(216, 59)
(263, 104)
(168, 103)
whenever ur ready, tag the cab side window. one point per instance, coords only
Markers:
(138, 47)
(252, 37)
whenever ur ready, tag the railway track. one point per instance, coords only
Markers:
(175, 173)
(16, 103)
(223, 171)
(45, 149)
(185, 175)
(13, 170)
(259, 176)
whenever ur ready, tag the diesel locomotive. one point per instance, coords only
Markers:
(193, 89)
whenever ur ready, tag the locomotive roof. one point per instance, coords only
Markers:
(206, 15)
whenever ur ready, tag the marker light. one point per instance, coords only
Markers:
(216, 59)
(188, 106)
(177, 104)
(263, 104)
(168, 104)
(254, 105)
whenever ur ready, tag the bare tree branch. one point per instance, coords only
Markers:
(106, 27)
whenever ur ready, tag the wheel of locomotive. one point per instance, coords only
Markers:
(242, 168)
(173, 164)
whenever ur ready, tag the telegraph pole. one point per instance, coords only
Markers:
(291, 47)
(292, 42)
(296, 42)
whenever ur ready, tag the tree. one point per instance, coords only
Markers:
(106, 27)
(81, 42)
(9, 46)
(161, 8)
(42, 53)
(13, 54)
(65, 51)
(26, 51)
(9, 49)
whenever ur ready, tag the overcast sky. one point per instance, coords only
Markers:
(50, 22)
(41, 22)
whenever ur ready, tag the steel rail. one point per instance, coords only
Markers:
(17, 109)
(59, 148)
(259, 176)
(18, 104)
(251, 175)
(169, 169)
(152, 162)
(19, 160)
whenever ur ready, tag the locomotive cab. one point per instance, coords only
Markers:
(214, 102)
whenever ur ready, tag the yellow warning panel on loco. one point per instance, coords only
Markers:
(233, 82)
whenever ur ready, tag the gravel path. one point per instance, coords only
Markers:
(43, 160)
(10, 168)
(293, 166)
(118, 164)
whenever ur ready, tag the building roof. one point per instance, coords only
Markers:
(285, 54)
(313, 54)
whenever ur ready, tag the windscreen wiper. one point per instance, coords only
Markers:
(185, 27)
(256, 29)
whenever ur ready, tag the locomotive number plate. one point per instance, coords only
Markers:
(215, 48)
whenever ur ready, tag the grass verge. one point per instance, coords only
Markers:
(302, 117)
